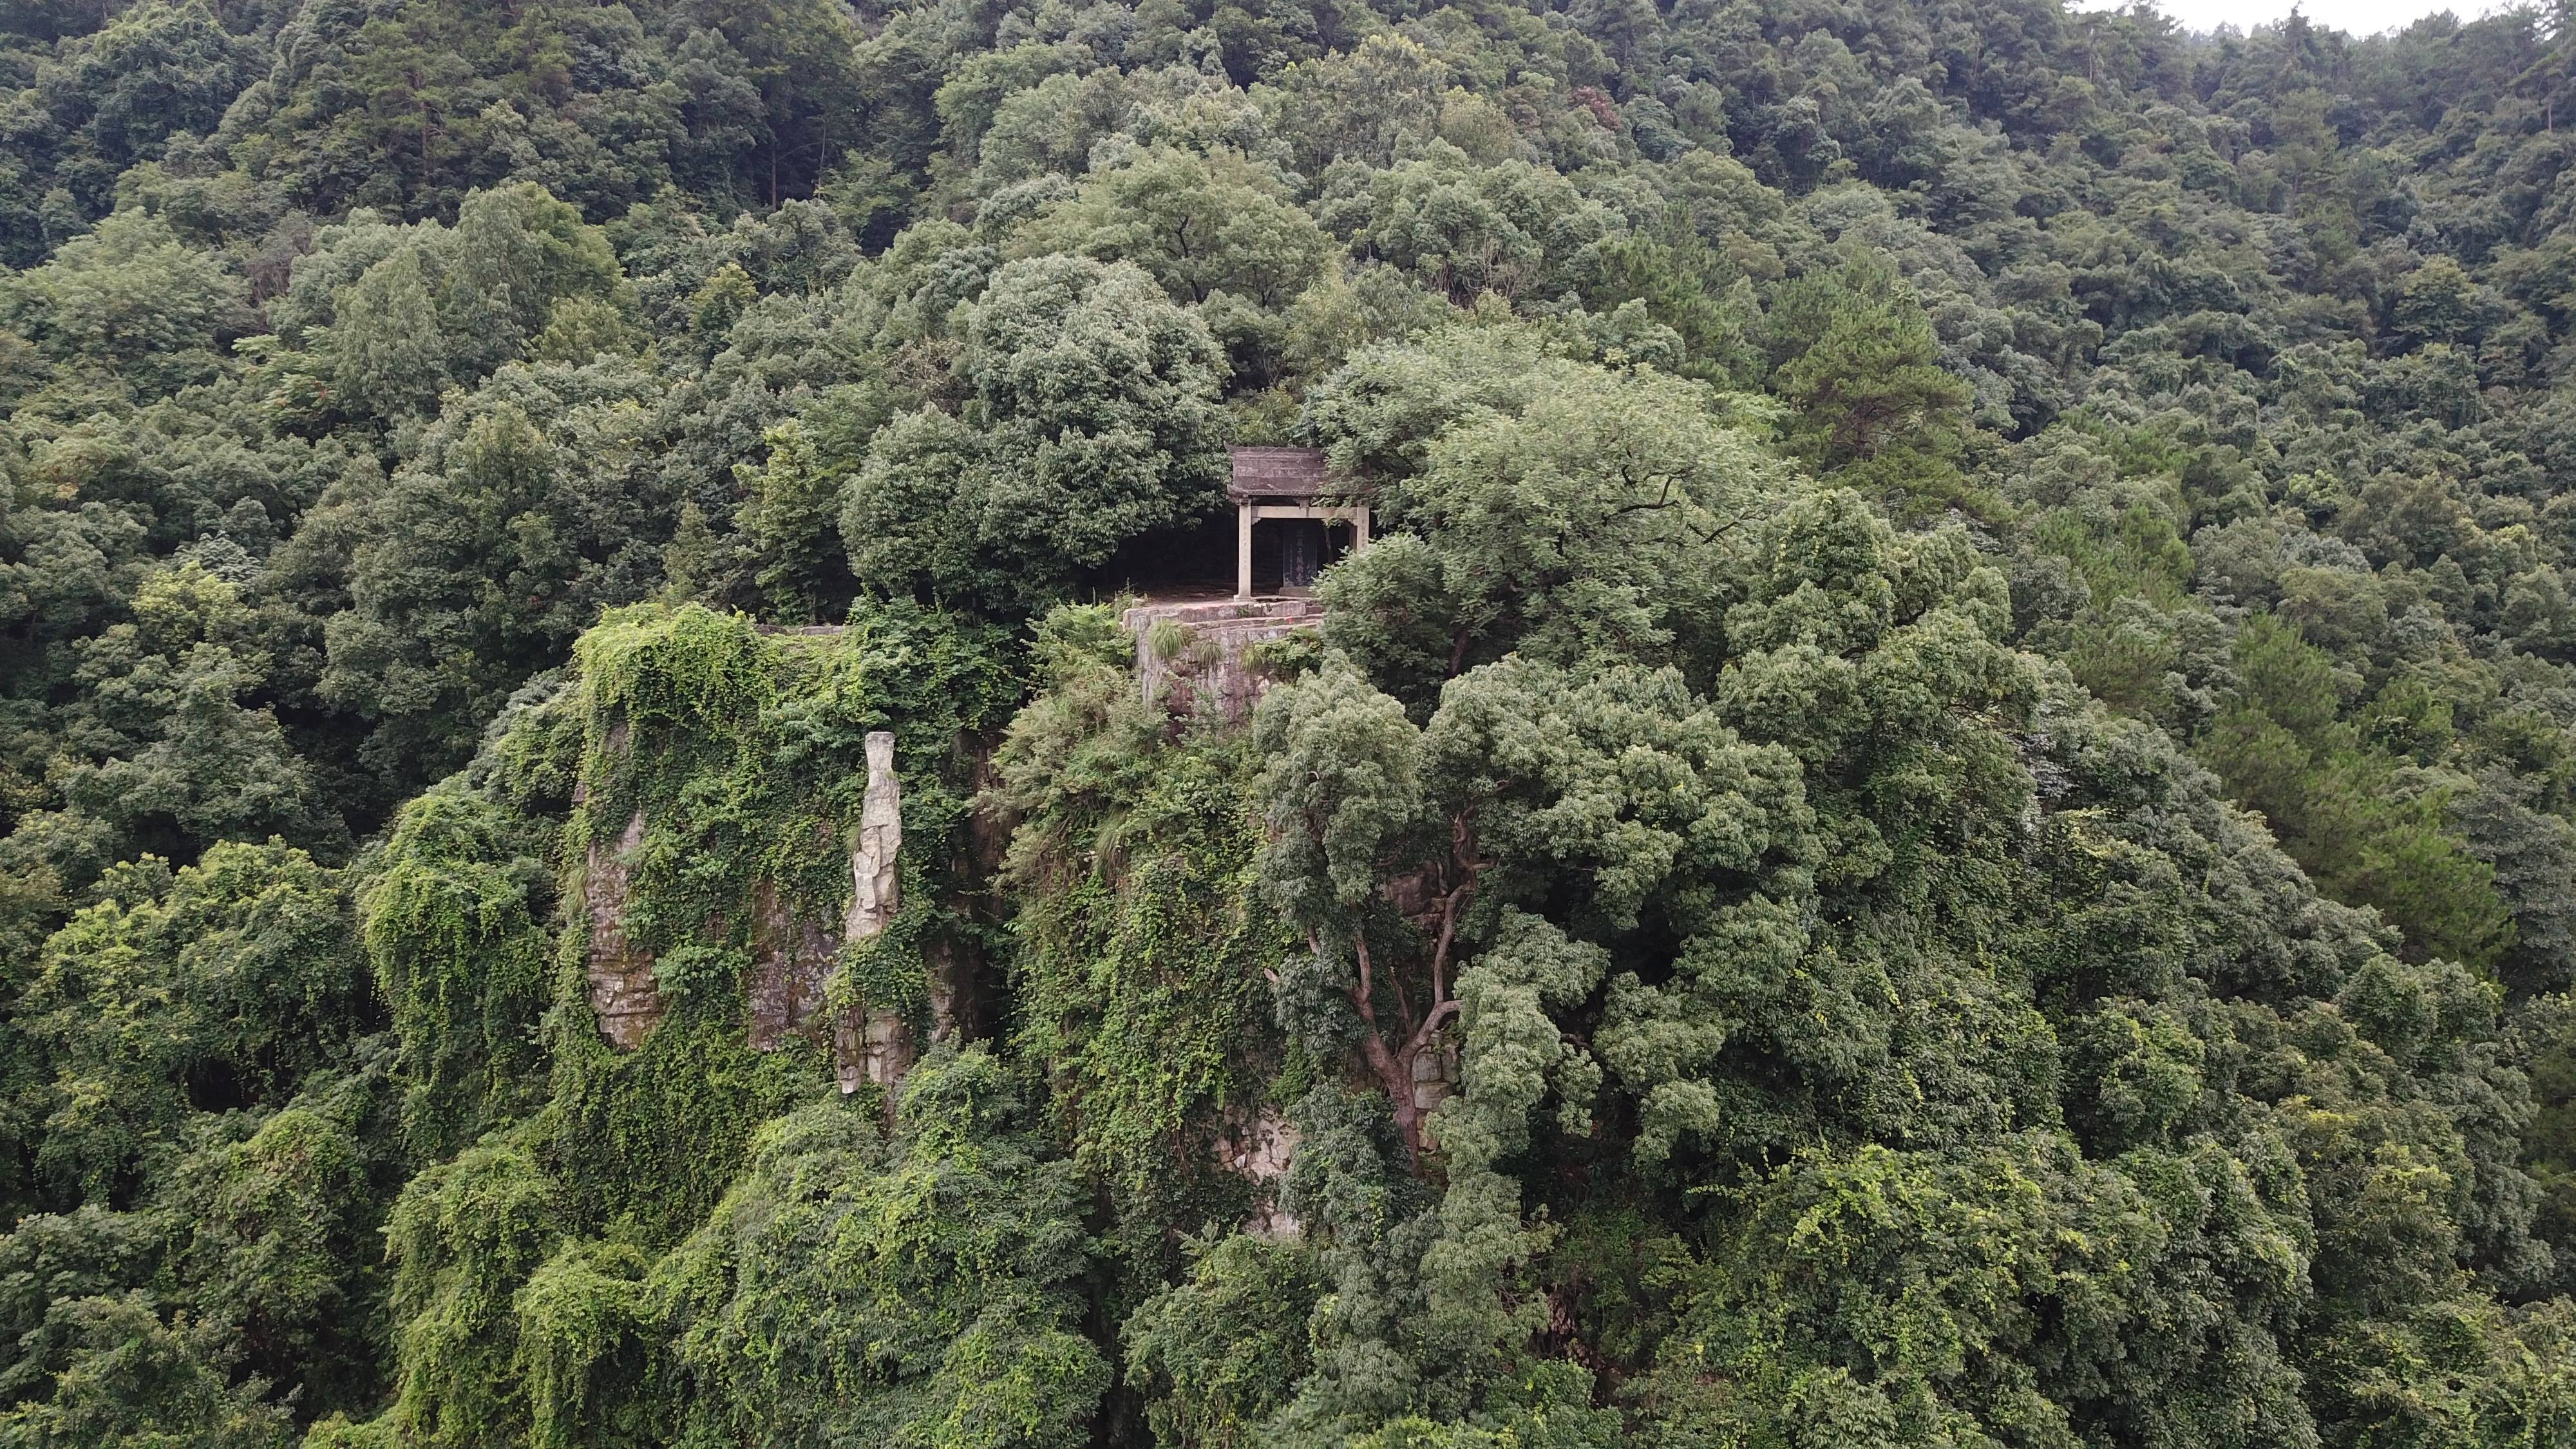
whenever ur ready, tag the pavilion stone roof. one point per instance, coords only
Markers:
(1281, 473)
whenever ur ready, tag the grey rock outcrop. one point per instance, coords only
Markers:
(622, 990)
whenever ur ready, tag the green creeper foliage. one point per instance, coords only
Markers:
(1216, 1355)
(1142, 940)
(911, 1291)
(461, 1240)
(521, 1267)
(451, 918)
(221, 985)
(275, 1239)
(132, 1382)
(745, 758)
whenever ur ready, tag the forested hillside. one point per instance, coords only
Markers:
(1945, 814)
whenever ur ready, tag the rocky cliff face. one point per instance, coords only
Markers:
(623, 991)
(1196, 657)
(794, 957)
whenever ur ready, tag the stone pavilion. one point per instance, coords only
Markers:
(1291, 519)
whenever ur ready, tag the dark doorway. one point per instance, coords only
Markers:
(1288, 554)
(1191, 559)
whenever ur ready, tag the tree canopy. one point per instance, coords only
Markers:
(1943, 812)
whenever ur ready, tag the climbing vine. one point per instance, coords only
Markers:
(450, 923)
(1140, 945)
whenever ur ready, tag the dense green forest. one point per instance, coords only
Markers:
(1946, 814)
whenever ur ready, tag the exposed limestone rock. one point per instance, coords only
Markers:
(943, 973)
(1260, 1148)
(884, 1051)
(622, 990)
(793, 957)
(850, 1064)
(872, 858)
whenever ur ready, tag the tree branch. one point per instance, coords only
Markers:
(1662, 500)
(1366, 989)
(1403, 998)
(1462, 855)
(1421, 1038)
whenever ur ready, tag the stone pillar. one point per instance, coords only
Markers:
(872, 860)
(877, 1048)
(1243, 550)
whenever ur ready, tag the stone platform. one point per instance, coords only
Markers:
(1191, 653)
